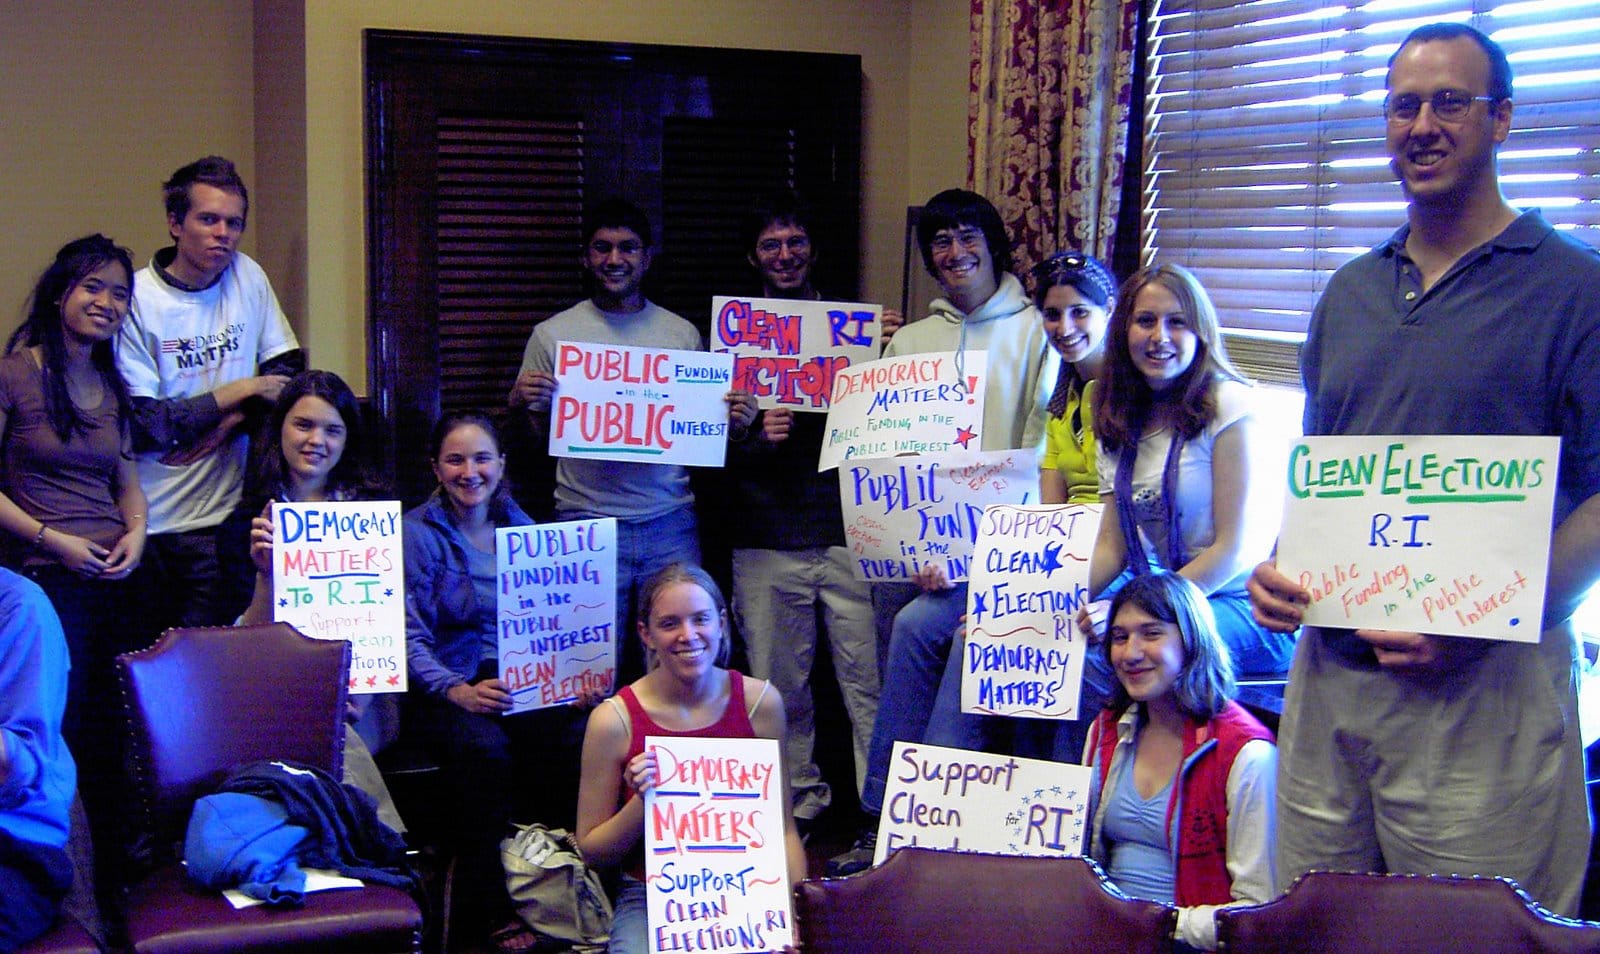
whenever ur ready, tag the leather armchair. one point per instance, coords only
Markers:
(1345, 913)
(199, 703)
(920, 901)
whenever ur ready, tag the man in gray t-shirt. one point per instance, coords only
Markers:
(652, 503)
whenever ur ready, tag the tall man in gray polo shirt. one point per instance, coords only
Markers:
(1418, 753)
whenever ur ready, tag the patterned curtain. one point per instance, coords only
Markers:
(1047, 117)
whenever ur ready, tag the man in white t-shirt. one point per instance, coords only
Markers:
(205, 344)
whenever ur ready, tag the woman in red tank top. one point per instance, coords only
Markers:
(683, 622)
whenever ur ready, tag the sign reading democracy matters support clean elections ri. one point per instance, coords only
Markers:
(557, 601)
(903, 512)
(976, 801)
(1023, 654)
(716, 870)
(646, 405)
(1430, 534)
(787, 352)
(913, 404)
(338, 573)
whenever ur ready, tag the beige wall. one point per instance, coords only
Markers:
(100, 100)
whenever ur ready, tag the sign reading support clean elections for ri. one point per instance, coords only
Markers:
(976, 801)
(914, 404)
(338, 574)
(646, 405)
(557, 601)
(1432, 534)
(1023, 654)
(716, 870)
(787, 352)
(903, 512)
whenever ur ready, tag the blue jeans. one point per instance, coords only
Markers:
(643, 547)
(630, 927)
(921, 696)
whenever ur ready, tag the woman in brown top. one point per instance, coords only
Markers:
(70, 504)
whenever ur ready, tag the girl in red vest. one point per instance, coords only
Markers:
(686, 692)
(1184, 777)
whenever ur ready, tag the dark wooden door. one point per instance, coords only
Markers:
(482, 153)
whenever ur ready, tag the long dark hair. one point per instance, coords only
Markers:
(350, 476)
(1086, 275)
(41, 327)
(1122, 404)
(1205, 681)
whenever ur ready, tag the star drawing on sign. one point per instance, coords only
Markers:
(394, 680)
(1050, 559)
(283, 601)
(388, 591)
(978, 607)
(964, 435)
(372, 682)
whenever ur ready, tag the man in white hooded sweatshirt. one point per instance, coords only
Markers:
(984, 310)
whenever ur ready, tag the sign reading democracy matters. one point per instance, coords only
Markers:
(1446, 535)
(913, 404)
(903, 512)
(338, 573)
(976, 801)
(787, 352)
(716, 872)
(647, 405)
(557, 600)
(1030, 576)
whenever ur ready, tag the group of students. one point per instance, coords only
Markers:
(1130, 393)
(72, 491)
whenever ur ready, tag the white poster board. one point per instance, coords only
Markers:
(338, 572)
(716, 873)
(1434, 534)
(1023, 654)
(557, 597)
(976, 801)
(901, 513)
(913, 404)
(787, 352)
(645, 405)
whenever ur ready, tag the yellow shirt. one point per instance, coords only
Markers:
(1069, 447)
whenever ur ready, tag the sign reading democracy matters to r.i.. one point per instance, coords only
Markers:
(913, 404)
(338, 574)
(787, 352)
(903, 512)
(557, 601)
(647, 405)
(1030, 575)
(1446, 535)
(716, 871)
(976, 801)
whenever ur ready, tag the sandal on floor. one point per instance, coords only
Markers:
(514, 937)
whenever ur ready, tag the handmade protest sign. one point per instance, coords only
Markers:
(716, 872)
(954, 799)
(557, 593)
(338, 573)
(1432, 534)
(1030, 575)
(647, 405)
(913, 404)
(787, 352)
(901, 513)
